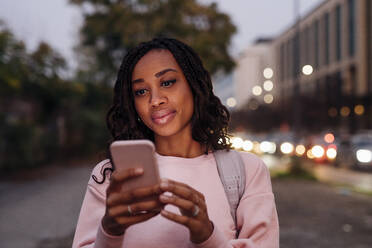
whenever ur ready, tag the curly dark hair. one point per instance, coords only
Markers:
(210, 118)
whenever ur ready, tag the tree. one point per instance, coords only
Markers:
(111, 27)
(43, 116)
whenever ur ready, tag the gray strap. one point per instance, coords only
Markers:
(231, 170)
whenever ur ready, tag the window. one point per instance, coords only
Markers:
(338, 32)
(296, 55)
(282, 62)
(351, 24)
(326, 38)
(369, 48)
(316, 44)
(306, 49)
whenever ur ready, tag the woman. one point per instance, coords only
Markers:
(164, 94)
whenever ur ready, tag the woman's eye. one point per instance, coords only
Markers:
(139, 92)
(168, 83)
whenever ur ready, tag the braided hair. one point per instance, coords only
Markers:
(210, 118)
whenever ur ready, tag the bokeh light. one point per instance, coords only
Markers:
(237, 142)
(307, 69)
(286, 148)
(359, 109)
(257, 90)
(329, 138)
(247, 145)
(256, 147)
(331, 153)
(268, 73)
(332, 112)
(364, 155)
(345, 111)
(268, 85)
(268, 147)
(317, 151)
(268, 98)
(231, 102)
(300, 150)
(310, 154)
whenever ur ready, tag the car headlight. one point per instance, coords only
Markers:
(364, 156)
(286, 148)
(317, 151)
(247, 145)
(268, 147)
(300, 150)
(331, 153)
(237, 142)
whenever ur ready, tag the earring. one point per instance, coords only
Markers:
(138, 119)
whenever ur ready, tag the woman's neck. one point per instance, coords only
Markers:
(179, 145)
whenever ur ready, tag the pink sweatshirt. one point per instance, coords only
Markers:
(256, 214)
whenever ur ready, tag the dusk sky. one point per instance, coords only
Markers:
(58, 22)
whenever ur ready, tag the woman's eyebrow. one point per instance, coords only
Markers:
(158, 74)
(161, 73)
(140, 80)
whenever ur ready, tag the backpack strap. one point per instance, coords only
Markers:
(231, 170)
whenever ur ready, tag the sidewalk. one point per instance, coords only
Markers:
(316, 215)
(41, 208)
(361, 181)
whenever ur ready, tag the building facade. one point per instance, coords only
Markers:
(249, 79)
(223, 87)
(335, 42)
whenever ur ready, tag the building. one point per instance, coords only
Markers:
(223, 87)
(248, 85)
(253, 75)
(335, 42)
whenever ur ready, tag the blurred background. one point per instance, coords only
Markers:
(296, 76)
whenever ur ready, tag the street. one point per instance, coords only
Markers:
(315, 215)
(42, 211)
(41, 207)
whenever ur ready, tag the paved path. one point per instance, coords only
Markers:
(42, 208)
(315, 215)
(327, 173)
(359, 180)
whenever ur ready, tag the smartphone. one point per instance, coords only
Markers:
(135, 154)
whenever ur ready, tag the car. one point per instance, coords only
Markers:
(322, 147)
(356, 153)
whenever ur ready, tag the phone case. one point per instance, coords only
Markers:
(136, 154)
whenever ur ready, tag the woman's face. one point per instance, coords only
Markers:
(162, 95)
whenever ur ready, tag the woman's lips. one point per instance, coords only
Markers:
(162, 117)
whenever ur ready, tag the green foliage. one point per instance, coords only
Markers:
(43, 116)
(111, 27)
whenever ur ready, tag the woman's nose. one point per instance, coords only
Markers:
(157, 98)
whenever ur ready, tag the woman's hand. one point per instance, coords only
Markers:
(192, 206)
(126, 208)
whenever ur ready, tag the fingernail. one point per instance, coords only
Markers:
(164, 184)
(164, 197)
(138, 171)
(164, 212)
